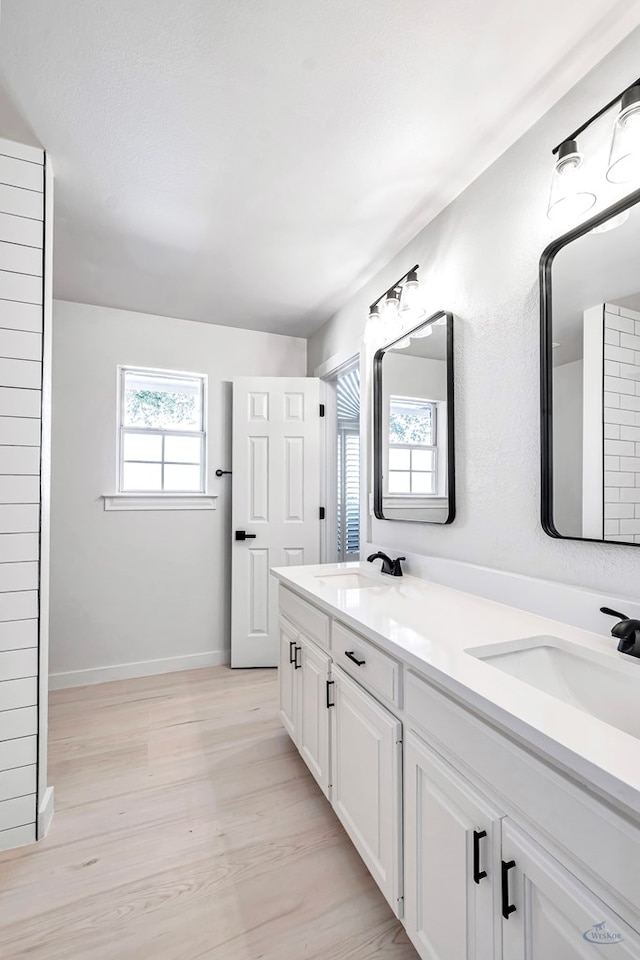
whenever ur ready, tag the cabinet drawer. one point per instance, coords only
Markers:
(379, 672)
(310, 621)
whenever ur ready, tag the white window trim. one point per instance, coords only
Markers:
(160, 500)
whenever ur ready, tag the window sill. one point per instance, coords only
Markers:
(159, 501)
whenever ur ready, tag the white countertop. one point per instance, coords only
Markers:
(430, 628)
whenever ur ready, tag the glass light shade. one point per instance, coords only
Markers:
(570, 197)
(612, 223)
(425, 332)
(624, 156)
(390, 306)
(411, 304)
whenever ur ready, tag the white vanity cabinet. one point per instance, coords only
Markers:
(452, 860)
(551, 914)
(303, 677)
(483, 846)
(366, 786)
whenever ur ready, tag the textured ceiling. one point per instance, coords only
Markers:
(254, 162)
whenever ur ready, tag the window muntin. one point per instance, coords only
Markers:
(162, 432)
(412, 466)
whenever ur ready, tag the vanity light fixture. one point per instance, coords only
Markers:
(571, 195)
(624, 156)
(402, 301)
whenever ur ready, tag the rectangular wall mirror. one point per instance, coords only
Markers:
(590, 403)
(413, 425)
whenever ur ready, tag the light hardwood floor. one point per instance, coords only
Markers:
(188, 827)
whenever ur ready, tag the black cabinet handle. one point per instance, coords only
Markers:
(351, 655)
(292, 655)
(243, 535)
(330, 683)
(295, 658)
(507, 908)
(478, 874)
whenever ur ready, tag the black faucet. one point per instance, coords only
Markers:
(392, 567)
(627, 632)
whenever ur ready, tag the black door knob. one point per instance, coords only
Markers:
(243, 535)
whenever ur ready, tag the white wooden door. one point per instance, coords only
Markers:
(314, 719)
(276, 503)
(288, 678)
(451, 860)
(556, 917)
(366, 765)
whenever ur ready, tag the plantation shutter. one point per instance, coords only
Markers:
(348, 408)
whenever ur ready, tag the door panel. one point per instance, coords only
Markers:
(448, 915)
(556, 916)
(366, 760)
(276, 500)
(313, 734)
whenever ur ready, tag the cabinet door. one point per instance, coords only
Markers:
(366, 745)
(314, 720)
(551, 914)
(288, 678)
(452, 860)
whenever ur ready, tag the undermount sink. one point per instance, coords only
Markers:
(605, 687)
(348, 581)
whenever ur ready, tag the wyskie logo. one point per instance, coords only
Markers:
(600, 933)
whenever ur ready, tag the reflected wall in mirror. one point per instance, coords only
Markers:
(590, 403)
(413, 425)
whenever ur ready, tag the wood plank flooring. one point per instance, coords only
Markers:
(187, 827)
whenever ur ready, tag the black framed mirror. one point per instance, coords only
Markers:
(413, 426)
(590, 379)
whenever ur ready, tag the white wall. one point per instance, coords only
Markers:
(567, 448)
(131, 587)
(479, 258)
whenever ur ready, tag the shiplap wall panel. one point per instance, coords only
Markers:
(17, 812)
(15, 547)
(16, 724)
(21, 461)
(16, 402)
(20, 373)
(18, 753)
(20, 259)
(15, 694)
(19, 518)
(21, 203)
(20, 286)
(19, 489)
(18, 576)
(20, 173)
(22, 291)
(18, 837)
(20, 316)
(20, 230)
(19, 432)
(18, 782)
(18, 664)
(17, 635)
(19, 605)
(20, 344)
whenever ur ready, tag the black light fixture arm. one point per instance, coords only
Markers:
(394, 285)
(596, 116)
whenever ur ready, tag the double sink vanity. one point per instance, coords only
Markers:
(482, 759)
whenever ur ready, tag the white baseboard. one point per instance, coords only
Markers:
(143, 668)
(45, 813)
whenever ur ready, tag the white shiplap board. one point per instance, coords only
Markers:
(18, 634)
